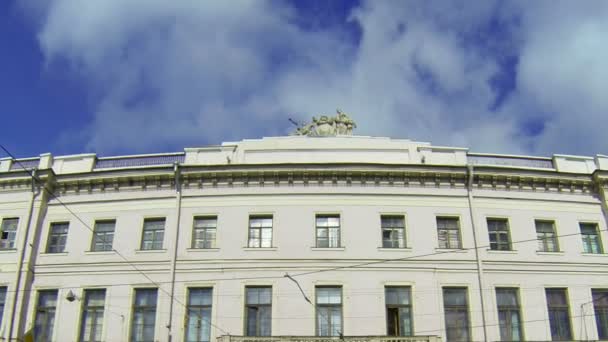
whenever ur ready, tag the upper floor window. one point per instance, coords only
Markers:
(258, 310)
(198, 317)
(329, 310)
(591, 238)
(260, 231)
(204, 232)
(448, 231)
(559, 314)
(92, 315)
(393, 231)
(509, 316)
(103, 235)
(498, 230)
(58, 237)
(398, 311)
(547, 239)
(45, 316)
(154, 233)
(456, 310)
(143, 322)
(8, 233)
(328, 231)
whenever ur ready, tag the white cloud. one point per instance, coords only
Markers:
(196, 72)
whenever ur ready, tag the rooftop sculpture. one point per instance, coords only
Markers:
(326, 126)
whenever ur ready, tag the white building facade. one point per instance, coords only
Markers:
(378, 236)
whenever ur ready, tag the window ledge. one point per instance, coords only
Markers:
(260, 249)
(144, 251)
(394, 249)
(496, 251)
(338, 249)
(98, 252)
(53, 254)
(550, 253)
(8, 250)
(196, 250)
(595, 254)
(450, 250)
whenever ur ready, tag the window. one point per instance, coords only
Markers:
(393, 231)
(456, 309)
(329, 310)
(199, 314)
(498, 229)
(448, 230)
(260, 231)
(258, 310)
(545, 233)
(2, 302)
(144, 315)
(559, 314)
(92, 315)
(154, 234)
(8, 233)
(509, 321)
(204, 232)
(398, 311)
(45, 316)
(600, 306)
(57, 237)
(328, 231)
(591, 238)
(103, 236)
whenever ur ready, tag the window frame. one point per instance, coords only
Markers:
(93, 247)
(458, 229)
(447, 308)
(10, 233)
(329, 305)
(133, 311)
(565, 308)
(198, 307)
(49, 246)
(517, 308)
(388, 306)
(248, 305)
(327, 230)
(545, 239)
(96, 309)
(46, 310)
(155, 233)
(193, 244)
(260, 230)
(400, 244)
(497, 233)
(600, 245)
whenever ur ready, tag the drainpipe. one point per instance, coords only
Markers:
(178, 210)
(477, 259)
(35, 192)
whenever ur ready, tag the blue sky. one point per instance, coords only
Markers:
(138, 76)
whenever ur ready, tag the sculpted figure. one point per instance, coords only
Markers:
(326, 126)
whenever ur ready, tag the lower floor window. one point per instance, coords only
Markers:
(45, 316)
(398, 311)
(329, 310)
(600, 306)
(456, 309)
(199, 315)
(144, 315)
(559, 314)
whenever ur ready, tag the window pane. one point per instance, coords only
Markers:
(329, 295)
(397, 295)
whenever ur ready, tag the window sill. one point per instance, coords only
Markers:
(98, 252)
(259, 249)
(54, 254)
(595, 254)
(450, 250)
(550, 253)
(8, 250)
(337, 249)
(394, 249)
(144, 251)
(197, 250)
(497, 251)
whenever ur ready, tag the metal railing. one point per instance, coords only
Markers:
(231, 338)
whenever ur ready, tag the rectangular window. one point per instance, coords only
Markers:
(328, 231)
(8, 233)
(143, 323)
(448, 230)
(154, 234)
(398, 311)
(591, 238)
(258, 310)
(204, 232)
(393, 231)
(329, 310)
(600, 306)
(545, 233)
(45, 315)
(260, 231)
(199, 314)
(103, 235)
(456, 309)
(559, 314)
(57, 237)
(92, 315)
(2, 302)
(509, 318)
(498, 230)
